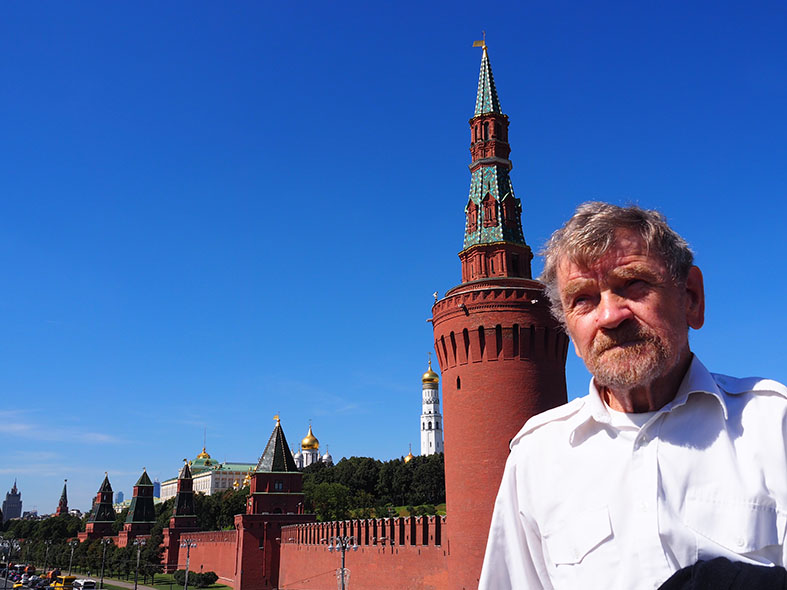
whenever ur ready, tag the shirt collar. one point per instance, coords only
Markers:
(697, 380)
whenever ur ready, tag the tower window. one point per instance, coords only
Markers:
(486, 130)
(430, 425)
(458, 384)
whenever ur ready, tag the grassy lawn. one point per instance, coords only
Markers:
(163, 581)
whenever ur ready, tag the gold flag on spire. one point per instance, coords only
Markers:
(481, 43)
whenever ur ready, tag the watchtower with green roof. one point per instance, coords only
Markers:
(275, 499)
(102, 516)
(141, 513)
(494, 244)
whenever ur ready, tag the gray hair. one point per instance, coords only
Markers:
(590, 233)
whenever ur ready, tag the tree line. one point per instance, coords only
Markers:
(362, 487)
(358, 487)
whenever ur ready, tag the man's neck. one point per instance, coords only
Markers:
(652, 396)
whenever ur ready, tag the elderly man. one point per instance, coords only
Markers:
(663, 464)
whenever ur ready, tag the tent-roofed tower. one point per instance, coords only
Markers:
(141, 512)
(62, 505)
(501, 354)
(102, 516)
(183, 519)
(275, 499)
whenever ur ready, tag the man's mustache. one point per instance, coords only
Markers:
(625, 333)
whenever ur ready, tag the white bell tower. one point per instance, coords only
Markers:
(431, 419)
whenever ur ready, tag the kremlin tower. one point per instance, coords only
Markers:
(102, 516)
(501, 354)
(62, 505)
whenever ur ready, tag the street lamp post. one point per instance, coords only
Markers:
(342, 544)
(73, 544)
(8, 547)
(139, 544)
(188, 544)
(48, 543)
(105, 541)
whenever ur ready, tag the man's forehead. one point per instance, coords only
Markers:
(627, 254)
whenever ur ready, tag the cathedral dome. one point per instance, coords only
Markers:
(409, 457)
(430, 376)
(310, 442)
(203, 454)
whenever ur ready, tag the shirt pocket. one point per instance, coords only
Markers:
(569, 542)
(738, 526)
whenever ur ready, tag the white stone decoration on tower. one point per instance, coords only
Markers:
(431, 419)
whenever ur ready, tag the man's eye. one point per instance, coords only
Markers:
(580, 300)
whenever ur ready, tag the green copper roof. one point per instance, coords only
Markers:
(486, 101)
(105, 485)
(277, 455)
(144, 480)
(141, 508)
(103, 511)
(492, 181)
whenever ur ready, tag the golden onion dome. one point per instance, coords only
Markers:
(310, 442)
(409, 457)
(430, 376)
(203, 454)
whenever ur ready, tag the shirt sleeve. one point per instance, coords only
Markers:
(514, 558)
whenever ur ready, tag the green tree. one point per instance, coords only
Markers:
(330, 501)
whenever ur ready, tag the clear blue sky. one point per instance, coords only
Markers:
(211, 213)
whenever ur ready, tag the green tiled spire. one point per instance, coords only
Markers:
(277, 455)
(486, 100)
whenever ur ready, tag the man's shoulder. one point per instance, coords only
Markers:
(741, 385)
(555, 417)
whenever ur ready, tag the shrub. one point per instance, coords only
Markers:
(196, 579)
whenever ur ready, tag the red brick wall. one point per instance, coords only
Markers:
(414, 562)
(215, 552)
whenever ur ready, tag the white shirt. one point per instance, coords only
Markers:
(598, 499)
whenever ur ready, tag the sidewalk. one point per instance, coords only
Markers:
(122, 584)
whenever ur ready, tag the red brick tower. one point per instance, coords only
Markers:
(275, 499)
(62, 506)
(141, 513)
(183, 520)
(102, 516)
(501, 354)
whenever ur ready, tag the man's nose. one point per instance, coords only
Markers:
(613, 310)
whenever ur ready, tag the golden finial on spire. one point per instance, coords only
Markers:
(278, 421)
(481, 43)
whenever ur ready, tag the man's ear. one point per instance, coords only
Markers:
(695, 299)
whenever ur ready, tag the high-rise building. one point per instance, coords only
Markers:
(502, 355)
(156, 488)
(431, 419)
(119, 497)
(12, 505)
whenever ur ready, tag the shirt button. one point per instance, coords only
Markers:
(740, 542)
